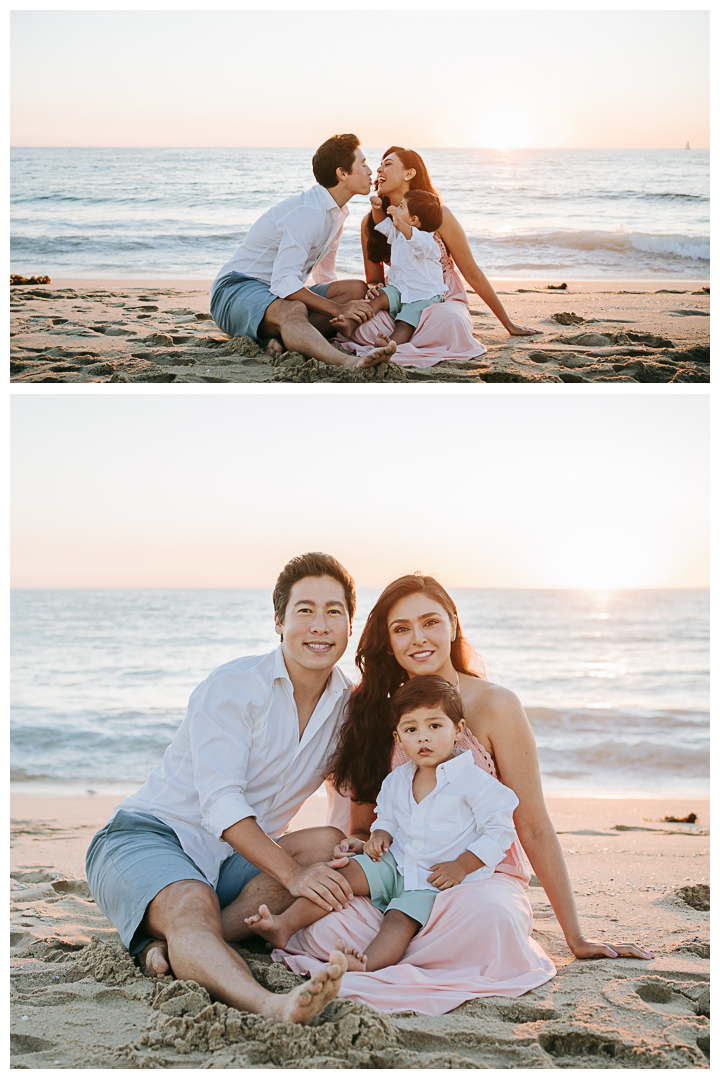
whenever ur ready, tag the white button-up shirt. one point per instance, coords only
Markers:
(298, 235)
(238, 754)
(415, 270)
(468, 810)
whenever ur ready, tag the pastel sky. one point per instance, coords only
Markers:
(426, 78)
(494, 489)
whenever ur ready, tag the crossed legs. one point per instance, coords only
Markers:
(186, 915)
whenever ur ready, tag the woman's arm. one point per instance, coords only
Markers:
(515, 753)
(374, 272)
(457, 244)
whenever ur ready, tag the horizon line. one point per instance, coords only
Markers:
(479, 588)
(499, 149)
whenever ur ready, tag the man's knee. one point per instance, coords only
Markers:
(312, 845)
(182, 902)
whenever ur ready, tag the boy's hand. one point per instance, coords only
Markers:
(378, 844)
(392, 211)
(376, 202)
(348, 847)
(446, 874)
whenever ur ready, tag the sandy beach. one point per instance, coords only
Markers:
(78, 1001)
(143, 331)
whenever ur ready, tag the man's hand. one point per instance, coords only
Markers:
(446, 874)
(378, 844)
(348, 847)
(323, 885)
(359, 310)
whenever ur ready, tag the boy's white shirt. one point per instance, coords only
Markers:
(415, 270)
(468, 810)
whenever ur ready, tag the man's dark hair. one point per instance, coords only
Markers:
(426, 206)
(426, 692)
(337, 152)
(312, 564)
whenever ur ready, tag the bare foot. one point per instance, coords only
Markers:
(345, 324)
(356, 961)
(304, 1003)
(274, 346)
(154, 960)
(381, 339)
(269, 927)
(377, 356)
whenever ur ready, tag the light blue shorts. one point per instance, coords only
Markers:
(409, 313)
(387, 889)
(238, 304)
(132, 858)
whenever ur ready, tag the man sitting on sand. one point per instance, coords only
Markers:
(175, 855)
(261, 291)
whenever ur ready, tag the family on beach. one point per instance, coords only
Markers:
(413, 895)
(419, 316)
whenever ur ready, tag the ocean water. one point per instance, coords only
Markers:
(615, 684)
(538, 214)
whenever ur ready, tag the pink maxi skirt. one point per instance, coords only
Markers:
(476, 944)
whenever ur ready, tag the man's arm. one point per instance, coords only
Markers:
(319, 882)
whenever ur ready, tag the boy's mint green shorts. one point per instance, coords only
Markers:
(387, 889)
(409, 313)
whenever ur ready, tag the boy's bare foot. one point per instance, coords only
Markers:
(377, 356)
(344, 323)
(275, 346)
(304, 1003)
(381, 339)
(154, 960)
(269, 927)
(356, 961)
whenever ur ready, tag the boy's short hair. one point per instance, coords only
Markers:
(337, 152)
(426, 692)
(427, 207)
(312, 564)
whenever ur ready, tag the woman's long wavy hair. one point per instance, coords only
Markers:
(377, 245)
(362, 758)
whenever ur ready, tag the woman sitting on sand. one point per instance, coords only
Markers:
(444, 331)
(477, 941)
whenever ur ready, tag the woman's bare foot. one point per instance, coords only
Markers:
(275, 346)
(377, 356)
(154, 960)
(304, 1003)
(269, 927)
(356, 961)
(381, 339)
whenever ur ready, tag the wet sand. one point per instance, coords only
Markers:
(114, 331)
(78, 1001)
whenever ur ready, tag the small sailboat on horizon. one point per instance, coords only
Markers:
(687, 145)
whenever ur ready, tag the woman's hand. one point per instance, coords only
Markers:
(521, 331)
(446, 874)
(373, 291)
(349, 847)
(588, 950)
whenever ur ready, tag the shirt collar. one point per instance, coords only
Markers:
(458, 763)
(337, 683)
(328, 203)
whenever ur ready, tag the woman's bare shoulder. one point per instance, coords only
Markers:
(493, 699)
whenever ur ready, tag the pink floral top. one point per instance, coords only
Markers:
(514, 862)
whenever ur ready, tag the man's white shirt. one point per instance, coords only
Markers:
(468, 810)
(298, 235)
(238, 754)
(415, 270)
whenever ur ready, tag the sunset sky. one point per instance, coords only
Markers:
(510, 78)
(557, 490)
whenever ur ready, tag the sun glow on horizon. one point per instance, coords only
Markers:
(508, 130)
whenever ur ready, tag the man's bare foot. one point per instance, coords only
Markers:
(356, 961)
(381, 339)
(275, 346)
(154, 960)
(377, 356)
(304, 1003)
(269, 927)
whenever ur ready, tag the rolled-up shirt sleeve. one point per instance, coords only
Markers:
(493, 808)
(220, 742)
(386, 818)
(299, 230)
